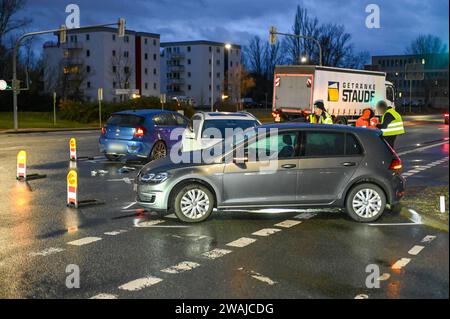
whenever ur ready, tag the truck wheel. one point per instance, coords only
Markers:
(341, 120)
(365, 203)
(193, 203)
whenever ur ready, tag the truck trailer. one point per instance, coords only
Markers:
(345, 92)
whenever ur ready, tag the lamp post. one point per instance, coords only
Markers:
(227, 46)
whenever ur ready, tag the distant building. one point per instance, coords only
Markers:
(186, 71)
(432, 91)
(97, 58)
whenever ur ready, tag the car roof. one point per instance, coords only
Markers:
(227, 116)
(324, 127)
(143, 112)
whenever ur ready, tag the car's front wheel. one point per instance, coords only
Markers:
(365, 202)
(193, 203)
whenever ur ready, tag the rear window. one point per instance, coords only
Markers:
(222, 125)
(125, 120)
(352, 146)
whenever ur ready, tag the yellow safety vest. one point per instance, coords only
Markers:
(322, 120)
(396, 126)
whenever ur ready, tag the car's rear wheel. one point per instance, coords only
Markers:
(159, 150)
(365, 202)
(193, 203)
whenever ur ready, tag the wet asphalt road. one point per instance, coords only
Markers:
(125, 253)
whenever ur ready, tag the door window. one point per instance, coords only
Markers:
(352, 146)
(279, 146)
(323, 144)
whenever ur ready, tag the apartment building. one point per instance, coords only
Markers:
(98, 58)
(432, 90)
(201, 71)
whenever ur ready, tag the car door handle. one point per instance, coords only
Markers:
(289, 166)
(348, 164)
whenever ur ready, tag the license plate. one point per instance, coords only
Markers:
(113, 147)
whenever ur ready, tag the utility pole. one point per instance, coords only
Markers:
(54, 108)
(212, 79)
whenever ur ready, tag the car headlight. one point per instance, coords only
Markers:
(154, 178)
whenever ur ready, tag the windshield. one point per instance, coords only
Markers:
(222, 128)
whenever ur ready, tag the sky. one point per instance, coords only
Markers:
(236, 21)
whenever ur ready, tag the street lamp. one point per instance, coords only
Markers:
(227, 46)
(303, 59)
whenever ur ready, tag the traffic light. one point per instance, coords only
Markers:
(273, 35)
(62, 34)
(121, 27)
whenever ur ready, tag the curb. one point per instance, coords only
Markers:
(48, 130)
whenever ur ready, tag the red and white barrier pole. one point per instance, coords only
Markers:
(72, 188)
(73, 149)
(21, 165)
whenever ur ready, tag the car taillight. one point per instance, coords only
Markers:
(139, 132)
(396, 164)
(103, 131)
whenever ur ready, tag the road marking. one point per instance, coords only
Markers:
(422, 148)
(419, 169)
(148, 223)
(173, 216)
(305, 216)
(428, 239)
(216, 253)
(84, 241)
(115, 232)
(47, 251)
(362, 296)
(415, 250)
(266, 232)
(181, 267)
(242, 242)
(140, 283)
(104, 296)
(258, 276)
(128, 206)
(399, 264)
(396, 224)
(288, 223)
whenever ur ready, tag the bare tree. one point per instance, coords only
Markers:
(121, 69)
(254, 55)
(426, 44)
(273, 56)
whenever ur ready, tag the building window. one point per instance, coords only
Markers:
(154, 71)
(218, 62)
(188, 49)
(126, 70)
(87, 37)
(154, 57)
(114, 69)
(189, 74)
(126, 39)
(189, 61)
(88, 53)
(154, 86)
(114, 37)
(218, 75)
(218, 50)
(126, 54)
(145, 71)
(113, 52)
(218, 87)
(209, 87)
(146, 85)
(209, 74)
(209, 61)
(88, 85)
(154, 42)
(88, 69)
(145, 41)
(210, 49)
(146, 56)
(114, 85)
(189, 87)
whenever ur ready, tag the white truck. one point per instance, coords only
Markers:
(345, 92)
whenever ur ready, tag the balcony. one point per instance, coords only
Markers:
(175, 55)
(176, 68)
(73, 45)
(175, 81)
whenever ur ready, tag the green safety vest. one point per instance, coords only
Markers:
(396, 126)
(327, 120)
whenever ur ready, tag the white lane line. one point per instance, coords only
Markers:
(305, 216)
(148, 223)
(399, 264)
(115, 232)
(422, 148)
(396, 224)
(428, 239)
(84, 241)
(362, 296)
(47, 251)
(140, 283)
(241, 242)
(104, 296)
(216, 253)
(384, 277)
(258, 276)
(128, 206)
(181, 267)
(415, 250)
(266, 231)
(288, 223)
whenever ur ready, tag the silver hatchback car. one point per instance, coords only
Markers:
(301, 166)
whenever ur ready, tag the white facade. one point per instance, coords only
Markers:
(186, 71)
(98, 58)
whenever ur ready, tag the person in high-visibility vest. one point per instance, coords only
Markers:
(320, 115)
(391, 123)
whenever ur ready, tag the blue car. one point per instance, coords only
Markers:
(140, 134)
